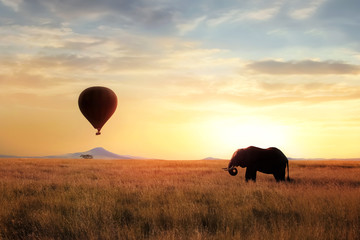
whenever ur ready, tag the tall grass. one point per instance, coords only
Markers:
(152, 199)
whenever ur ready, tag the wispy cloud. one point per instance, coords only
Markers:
(190, 25)
(263, 14)
(303, 67)
(238, 15)
(18, 36)
(13, 4)
(266, 95)
(303, 12)
(23, 80)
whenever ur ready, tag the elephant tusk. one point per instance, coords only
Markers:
(227, 169)
(232, 170)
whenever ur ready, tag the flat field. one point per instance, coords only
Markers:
(155, 199)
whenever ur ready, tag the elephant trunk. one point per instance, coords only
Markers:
(232, 170)
(232, 165)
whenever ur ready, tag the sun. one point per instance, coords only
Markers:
(239, 134)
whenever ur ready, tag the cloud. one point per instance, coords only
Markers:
(211, 21)
(126, 13)
(27, 81)
(190, 25)
(262, 14)
(306, 11)
(263, 94)
(303, 67)
(13, 4)
(237, 15)
(18, 36)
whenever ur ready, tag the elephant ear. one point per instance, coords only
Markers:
(246, 157)
(243, 157)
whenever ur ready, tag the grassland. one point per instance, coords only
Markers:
(152, 199)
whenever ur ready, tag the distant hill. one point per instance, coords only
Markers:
(101, 153)
(212, 158)
(7, 156)
(96, 153)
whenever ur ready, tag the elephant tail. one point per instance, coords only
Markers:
(288, 176)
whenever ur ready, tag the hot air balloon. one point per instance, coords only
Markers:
(97, 104)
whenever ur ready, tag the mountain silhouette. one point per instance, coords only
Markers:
(96, 153)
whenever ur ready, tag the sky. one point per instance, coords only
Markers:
(193, 78)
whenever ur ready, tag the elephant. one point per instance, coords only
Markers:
(269, 161)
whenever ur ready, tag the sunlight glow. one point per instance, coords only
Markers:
(251, 133)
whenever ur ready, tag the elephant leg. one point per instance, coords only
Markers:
(280, 174)
(254, 176)
(250, 174)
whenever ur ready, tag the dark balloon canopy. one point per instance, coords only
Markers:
(97, 104)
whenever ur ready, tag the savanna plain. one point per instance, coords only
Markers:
(159, 199)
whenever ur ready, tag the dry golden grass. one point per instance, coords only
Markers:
(154, 199)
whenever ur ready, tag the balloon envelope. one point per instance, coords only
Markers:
(97, 104)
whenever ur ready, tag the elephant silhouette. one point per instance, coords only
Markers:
(269, 161)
